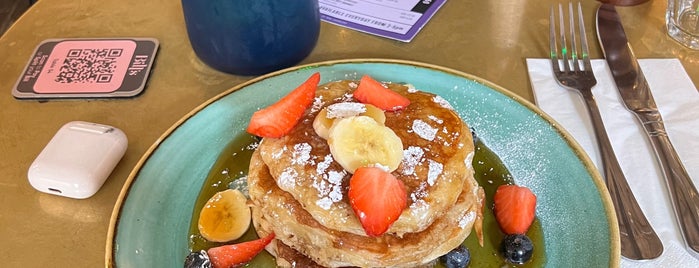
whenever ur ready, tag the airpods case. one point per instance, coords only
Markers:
(78, 159)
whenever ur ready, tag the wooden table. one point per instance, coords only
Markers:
(490, 39)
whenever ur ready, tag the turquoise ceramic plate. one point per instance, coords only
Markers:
(150, 222)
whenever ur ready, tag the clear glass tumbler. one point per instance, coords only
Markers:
(682, 21)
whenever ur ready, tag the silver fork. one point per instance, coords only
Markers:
(638, 240)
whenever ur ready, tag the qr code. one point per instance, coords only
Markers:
(89, 66)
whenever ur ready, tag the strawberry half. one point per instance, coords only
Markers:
(238, 254)
(372, 92)
(279, 118)
(515, 208)
(377, 198)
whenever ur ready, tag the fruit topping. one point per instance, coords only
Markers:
(225, 217)
(372, 92)
(459, 257)
(328, 115)
(517, 248)
(197, 259)
(377, 198)
(359, 141)
(238, 254)
(515, 208)
(279, 118)
(376, 113)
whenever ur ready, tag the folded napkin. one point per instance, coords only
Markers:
(678, 101)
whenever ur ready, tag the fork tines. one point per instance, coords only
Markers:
(569, 56)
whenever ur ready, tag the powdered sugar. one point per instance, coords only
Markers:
(329, 185)
(317, 104)
(347, 97)
(323, 166)
(324, 203)
(329, 189)
(442, 102)
(252, 146)
(436, 119)
(345, 109)
(382, 167)
(278, 154)
(301, 154)
(287, 179)
(424, 130)
(411, 158)
(419, 206)
(435, 169)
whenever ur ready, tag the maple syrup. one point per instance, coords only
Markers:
(490, 173)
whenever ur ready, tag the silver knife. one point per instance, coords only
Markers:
(638, 99)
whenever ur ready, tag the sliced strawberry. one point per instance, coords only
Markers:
(238, 254)
(372, 92)
(279, 118)
(377, 198)
(515, 208)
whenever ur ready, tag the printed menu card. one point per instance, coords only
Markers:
(396, 19)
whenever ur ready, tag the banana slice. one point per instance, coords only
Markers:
(225, 217)
(376, 113)
(325, 118)
(322, 124)
(360, 141)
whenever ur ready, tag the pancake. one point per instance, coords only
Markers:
(438, 149)
(289, 257)
(303, 238)
(299, 191)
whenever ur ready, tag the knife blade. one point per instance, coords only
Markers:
(638, 99)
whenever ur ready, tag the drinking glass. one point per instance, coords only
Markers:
(683, 22)
(251, 37)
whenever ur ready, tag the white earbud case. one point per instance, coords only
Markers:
(78, 159)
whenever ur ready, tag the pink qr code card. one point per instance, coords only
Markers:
(87, 68)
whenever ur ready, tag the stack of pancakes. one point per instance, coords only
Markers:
(299, 192)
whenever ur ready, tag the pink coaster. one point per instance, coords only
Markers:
(70, 68)
(88, 66)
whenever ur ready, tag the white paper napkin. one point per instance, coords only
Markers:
(678, 101)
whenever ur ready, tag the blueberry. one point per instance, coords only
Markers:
(456, 258)
(517, 248)
(198, 260)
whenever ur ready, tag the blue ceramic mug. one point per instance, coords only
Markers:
(251, 37)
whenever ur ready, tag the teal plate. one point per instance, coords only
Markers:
(150, 222)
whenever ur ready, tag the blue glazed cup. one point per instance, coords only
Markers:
(251, 37)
